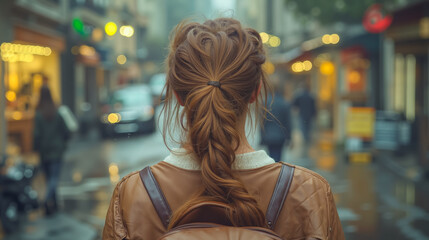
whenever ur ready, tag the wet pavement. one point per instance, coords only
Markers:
(373, 202)
(59, 226)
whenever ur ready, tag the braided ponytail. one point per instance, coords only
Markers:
(214, 68)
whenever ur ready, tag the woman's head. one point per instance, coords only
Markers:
(215, 71)
(219, 50)
(46, 104)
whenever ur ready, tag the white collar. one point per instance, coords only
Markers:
(180, 158)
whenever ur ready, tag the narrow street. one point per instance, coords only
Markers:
(372, 201)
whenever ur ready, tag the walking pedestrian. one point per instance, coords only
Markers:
(277, 127)
(305, 103)
(50, 141)
(214, 76)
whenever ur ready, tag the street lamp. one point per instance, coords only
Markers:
(126, 31)
(110, 28)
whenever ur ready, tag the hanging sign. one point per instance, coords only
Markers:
(375, 20)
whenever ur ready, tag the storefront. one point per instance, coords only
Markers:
(409, 91)
(343, 72)
(30, 61)
(315, 69)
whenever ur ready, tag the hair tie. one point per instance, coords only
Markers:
(214, 83)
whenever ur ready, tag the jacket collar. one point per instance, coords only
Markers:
(180, 158)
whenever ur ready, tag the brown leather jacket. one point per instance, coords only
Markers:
(309, 211)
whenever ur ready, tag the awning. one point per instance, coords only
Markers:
(30, 36)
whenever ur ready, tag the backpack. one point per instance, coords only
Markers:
(208, 220)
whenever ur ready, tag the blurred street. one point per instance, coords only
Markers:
(81, 87)
(373, 201)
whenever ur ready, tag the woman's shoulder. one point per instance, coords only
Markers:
(308, 185)
(309, 208)
(132, 181)
(128, 179)
(303, 175)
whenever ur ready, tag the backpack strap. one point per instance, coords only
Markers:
(276, 203)
(156, 195)
(279, 195)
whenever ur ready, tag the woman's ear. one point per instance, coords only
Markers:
(256, 93)
(178, 98)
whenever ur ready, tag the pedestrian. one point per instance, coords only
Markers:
(214, 77)
(277, 127)
(50, 141)
(305, 103)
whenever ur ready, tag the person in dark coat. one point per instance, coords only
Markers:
(277, 128)
(50, 141)
(305, 103)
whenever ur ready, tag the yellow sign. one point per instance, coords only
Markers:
(360, 122)
(360, 157)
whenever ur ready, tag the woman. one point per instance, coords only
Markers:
(277, 129)
(215, 74)
(50, 139)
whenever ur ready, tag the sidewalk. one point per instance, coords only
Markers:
(405, 166)
(78, 142)
(57, 227)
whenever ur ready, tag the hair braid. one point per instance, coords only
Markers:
(218, 50)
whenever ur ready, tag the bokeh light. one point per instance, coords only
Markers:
(264, 37)
(126, 31)
(110, 28)
(121, 59)
(274, 41)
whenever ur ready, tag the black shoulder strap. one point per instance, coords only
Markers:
(276, 203)
(156, 195)
(279, 195)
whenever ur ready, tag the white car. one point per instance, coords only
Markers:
(129, 110)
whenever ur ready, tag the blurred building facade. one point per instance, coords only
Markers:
(32, 44)
(64, 44)
(104, 45)
(407, 86)
(83, 50)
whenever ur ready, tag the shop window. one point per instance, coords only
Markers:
(26, 68)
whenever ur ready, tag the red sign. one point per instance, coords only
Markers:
(375, 20)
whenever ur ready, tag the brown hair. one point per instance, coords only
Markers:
(218, 50)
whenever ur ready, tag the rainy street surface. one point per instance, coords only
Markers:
(373, 202)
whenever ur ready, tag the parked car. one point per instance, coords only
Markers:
(129, 110)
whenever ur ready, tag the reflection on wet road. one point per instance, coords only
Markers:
(90, 175)
(372, 201)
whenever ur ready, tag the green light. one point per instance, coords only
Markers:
(78, 26)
